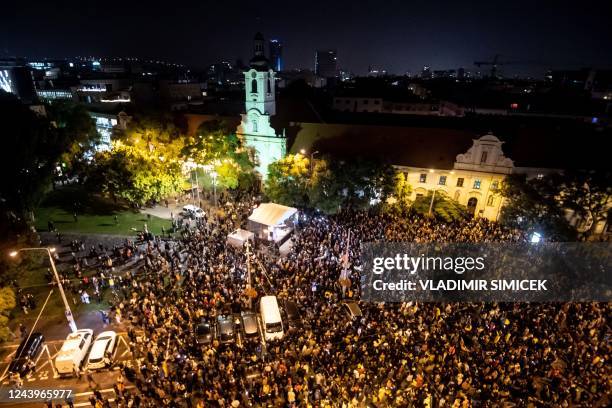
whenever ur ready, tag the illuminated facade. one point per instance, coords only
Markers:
(260, 104)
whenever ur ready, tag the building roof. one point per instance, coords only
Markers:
(271, 214)
(439, 147)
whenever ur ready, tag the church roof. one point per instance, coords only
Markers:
(438, 147)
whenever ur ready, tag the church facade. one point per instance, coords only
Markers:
(260, 105)
(474, 181)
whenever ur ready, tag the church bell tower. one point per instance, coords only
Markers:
(260, 105)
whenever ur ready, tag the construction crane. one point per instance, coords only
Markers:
(494, 64)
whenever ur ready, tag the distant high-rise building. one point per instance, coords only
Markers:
(426, 73)
(276, 55)
(326, 63)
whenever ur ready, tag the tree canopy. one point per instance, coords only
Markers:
(443, 207)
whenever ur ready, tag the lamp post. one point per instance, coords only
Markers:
(214, 175)
(432, 202)
(68, 312)
(312, 155)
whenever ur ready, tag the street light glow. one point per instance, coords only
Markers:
(13, 253)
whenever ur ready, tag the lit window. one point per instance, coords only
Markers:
(460, 182)
(477, 184)
(442, 181)
(423, 178)
(254, 86)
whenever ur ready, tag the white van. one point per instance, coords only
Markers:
(271, 318)
(73, 352)
(103, 350)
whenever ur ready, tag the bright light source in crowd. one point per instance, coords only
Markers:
(13, 254)
(52, 249)
(535, 238)
(302, 151)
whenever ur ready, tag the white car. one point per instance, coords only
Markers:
(193, 211)
(73, 352)
(103, 351)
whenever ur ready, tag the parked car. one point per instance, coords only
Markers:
(193, 211)
(294, 320)
(352, 310)
(250, 328)
(26, 354)
(204, 333)
(73, 352)
(103, 351)
(225, 326)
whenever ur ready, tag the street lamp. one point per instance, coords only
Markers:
(312, 155)
(214, 175)
(69, 317)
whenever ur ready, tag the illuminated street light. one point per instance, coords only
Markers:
(214, 175)
(68, 312)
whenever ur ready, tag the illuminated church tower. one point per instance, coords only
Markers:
(260, 105)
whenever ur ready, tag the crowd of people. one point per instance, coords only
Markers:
(395, 355)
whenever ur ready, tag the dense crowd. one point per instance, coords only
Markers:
(396, 355)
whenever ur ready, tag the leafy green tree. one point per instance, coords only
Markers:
(7, 303)
(35, 144)
(74, 120)
(288, 181)
(135, 175)
(533, 205)
(443, 206)
(217, 147)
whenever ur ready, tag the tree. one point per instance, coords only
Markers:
(35, 145)
(533, 205)
(134, 175)
(77, 124)
(214, 146)
(401, 192)
(443, 206)
(288, 181)
(7, 303)
(587, 193)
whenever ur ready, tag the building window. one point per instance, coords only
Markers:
(460, 182)
(495, 185)
(254, 86)
(254, 125)
(269, 86)
(423, 178)
(483, 157)
(477, 184)
(442, 181)
(491, 201)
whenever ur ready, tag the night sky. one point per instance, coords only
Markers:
(399, 36)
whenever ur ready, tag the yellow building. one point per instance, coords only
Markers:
(474, 180)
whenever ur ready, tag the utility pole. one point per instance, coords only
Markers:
(68, 312)
(248, 265)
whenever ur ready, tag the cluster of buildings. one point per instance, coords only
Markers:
(435, 132)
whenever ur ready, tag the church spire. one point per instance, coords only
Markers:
(259, 60)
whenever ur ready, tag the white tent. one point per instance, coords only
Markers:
(239, 237)
(272, 221)
(271, 214)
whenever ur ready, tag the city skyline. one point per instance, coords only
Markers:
(397, 37)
